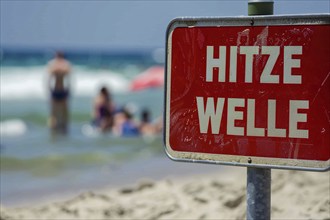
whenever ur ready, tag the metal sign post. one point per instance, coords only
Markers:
(260, 7)
(258, 193)
(258, 187)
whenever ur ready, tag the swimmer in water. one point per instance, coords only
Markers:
(103, 110)
(59, 69)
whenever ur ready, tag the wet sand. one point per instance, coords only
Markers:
(209, 195)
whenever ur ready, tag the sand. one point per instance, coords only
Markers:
(220, 195)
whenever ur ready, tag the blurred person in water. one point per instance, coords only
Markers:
(124, 123)
(103, 110)
(58, 71)
(148, 127)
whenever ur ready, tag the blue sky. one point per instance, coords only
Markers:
(115, 24)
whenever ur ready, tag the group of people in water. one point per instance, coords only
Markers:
(120, 121)
(106, 116)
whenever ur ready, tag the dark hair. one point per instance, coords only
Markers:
(145, 115)
(59, 54)
(105, 92)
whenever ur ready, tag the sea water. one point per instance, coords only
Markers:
(35, 163)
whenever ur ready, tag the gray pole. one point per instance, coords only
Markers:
(259, 179)
(258, 193)
(260, 7)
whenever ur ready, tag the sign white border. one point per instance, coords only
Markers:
(234, 160)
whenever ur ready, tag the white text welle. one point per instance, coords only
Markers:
(211, 109)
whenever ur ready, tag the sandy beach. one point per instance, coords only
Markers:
(215, 195)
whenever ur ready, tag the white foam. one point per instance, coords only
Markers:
(12, 128)
(31, 82)
(87, 83)
(22, 83)
(90, 131)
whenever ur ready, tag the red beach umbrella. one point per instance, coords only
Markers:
(151, 78)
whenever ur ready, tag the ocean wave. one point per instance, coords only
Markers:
(31, 82)
(54, 162)
(12, 128)
(105, 150)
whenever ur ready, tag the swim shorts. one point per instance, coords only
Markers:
(59, 95)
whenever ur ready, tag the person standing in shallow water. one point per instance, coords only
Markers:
(58, 70)
(103, 110)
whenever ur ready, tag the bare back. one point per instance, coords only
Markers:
(59, 69)
(58, 82)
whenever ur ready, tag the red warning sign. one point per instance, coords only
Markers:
(248, 94)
